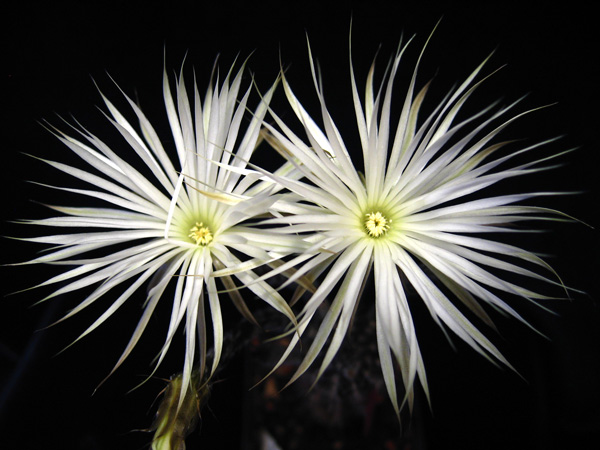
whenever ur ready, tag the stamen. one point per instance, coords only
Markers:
(377, 224)
(200, 234)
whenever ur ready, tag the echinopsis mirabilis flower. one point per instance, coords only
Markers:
(411, 218)
(186, 225)
(416, 216)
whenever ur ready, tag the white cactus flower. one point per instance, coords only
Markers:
(184, 226)
(418, 215)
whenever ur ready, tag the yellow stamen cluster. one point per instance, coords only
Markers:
(376, 224)
(200, 234)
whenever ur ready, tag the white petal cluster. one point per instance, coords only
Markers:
(185, 226)
(411, 219)
(411, 215)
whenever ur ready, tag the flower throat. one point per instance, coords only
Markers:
(200, 234)
(376, 224)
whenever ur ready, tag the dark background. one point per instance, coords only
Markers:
(55, 51)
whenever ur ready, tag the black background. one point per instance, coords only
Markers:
(54, 49)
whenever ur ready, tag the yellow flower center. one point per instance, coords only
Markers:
(377, 224)
(200, 234)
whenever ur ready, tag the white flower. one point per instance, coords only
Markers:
(411, 218)
(184, 226)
